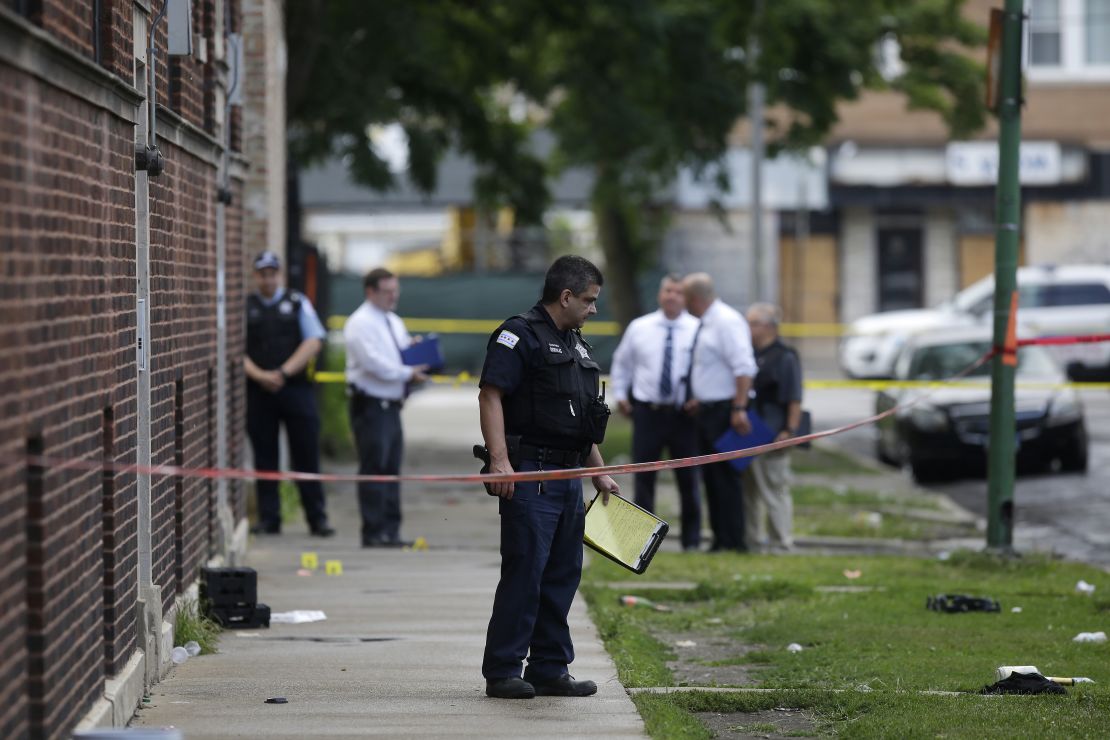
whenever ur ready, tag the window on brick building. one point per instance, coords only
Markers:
(1045, 37)
(1068, 40)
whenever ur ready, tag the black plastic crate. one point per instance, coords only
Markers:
(221, 587)
(241, 617)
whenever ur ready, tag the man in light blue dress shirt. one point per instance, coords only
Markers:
(377, 382)
(648, 367)
(722, 366)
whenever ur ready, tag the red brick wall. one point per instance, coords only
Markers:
(116, 37)
(69, 21)
(68, 539)
(67, 239)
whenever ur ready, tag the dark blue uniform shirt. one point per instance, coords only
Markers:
(513, 349)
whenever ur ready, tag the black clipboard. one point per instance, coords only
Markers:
(627, 534)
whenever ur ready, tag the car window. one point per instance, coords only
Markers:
(1032, 296)
(1036, 362)
(943, 361)
(1077, 294)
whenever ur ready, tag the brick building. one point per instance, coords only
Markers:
(111, 342)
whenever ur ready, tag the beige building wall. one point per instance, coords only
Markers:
(859, 264)
(1074, 232)
(942, 268)
(264, 125)
(698, 242)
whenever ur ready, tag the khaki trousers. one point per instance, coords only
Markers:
(768, 505)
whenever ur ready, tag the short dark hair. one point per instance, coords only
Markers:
(375, 276)
(569, 272)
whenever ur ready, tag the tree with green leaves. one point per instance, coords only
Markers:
(634, 90)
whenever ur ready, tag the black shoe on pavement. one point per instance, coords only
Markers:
(565, 685)
(322, 530)
(509, 688)
(379, 542)
(265, 529)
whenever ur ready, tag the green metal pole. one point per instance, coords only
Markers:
(1001, 460)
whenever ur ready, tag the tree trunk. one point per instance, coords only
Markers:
(622, 263)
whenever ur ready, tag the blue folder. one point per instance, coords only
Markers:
(427, 352)
(731, 440)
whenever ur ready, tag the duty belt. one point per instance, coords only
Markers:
(551, 455)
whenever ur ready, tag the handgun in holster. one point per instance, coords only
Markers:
(512, 446)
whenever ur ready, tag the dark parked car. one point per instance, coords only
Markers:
(949, 431)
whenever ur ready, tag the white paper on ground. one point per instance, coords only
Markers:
(299, 616)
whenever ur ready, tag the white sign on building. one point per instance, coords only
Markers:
(976, 163)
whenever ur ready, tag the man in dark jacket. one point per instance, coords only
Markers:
(778, 401)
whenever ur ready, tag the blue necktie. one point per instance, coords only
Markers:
(688, 380)
(665, 377)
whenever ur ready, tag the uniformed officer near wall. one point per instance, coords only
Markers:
(283, 335)
(541, 409)
(768, 506)
(648, 367)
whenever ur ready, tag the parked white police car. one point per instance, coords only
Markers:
(1052, 301)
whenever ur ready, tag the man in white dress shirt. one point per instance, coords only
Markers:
(648, 367)
(377, 380)
(718, 388)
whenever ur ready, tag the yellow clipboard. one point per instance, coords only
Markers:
(623, 532)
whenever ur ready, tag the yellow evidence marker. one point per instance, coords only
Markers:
(309, 561)
(333, 567)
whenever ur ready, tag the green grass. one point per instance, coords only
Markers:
(290, 501)
(618, 438)
(837, 511)
(884, 639)
(336, 439)
(827, 461)
(809, 495)
(191, 625)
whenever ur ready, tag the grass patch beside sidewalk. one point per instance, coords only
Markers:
(878, 637)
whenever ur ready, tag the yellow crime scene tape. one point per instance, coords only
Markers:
(613, 329)
(465, 378)
(596, 328)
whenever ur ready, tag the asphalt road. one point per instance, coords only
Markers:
(1064, 513)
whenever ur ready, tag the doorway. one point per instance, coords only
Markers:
(901, 273)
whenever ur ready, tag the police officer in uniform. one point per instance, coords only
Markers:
(283, 335)
(541, 409)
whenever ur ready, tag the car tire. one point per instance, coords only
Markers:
(923, 472)
(1075, 459)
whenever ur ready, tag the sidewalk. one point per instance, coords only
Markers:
(401, 650)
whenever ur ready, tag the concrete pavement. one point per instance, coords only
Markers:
(400, 652)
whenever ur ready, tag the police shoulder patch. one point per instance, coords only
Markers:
(508, 339)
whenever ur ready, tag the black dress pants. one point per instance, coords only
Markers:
(377, 429)
(722, 481)
(653, 429)
(295, 407)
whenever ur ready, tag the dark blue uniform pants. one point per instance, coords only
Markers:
(541, 565)
(652, 430)
(381, 446)
(295, 407)
(722, 481)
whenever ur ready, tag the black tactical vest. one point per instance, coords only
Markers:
(557, 404)
(274, 332)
